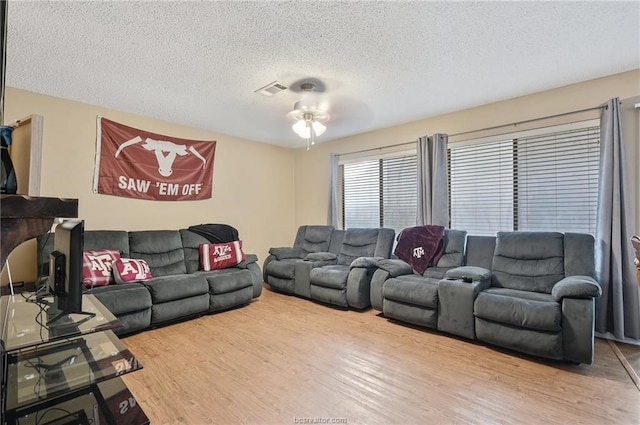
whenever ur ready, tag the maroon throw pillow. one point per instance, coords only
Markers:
(96, 267)
(221, 255)
(127, 270)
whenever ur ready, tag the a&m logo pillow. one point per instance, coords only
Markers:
(221, 255)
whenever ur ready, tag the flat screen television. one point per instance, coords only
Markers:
(65, 269)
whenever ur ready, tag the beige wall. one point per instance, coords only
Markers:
(311, 167)
(253, 182)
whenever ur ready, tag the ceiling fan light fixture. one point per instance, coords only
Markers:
(303, 126)
(301, 129)
(309, 118)
(319, 128)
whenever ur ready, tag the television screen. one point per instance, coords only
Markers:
(65, 274)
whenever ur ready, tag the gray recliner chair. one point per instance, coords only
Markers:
(411, 297)
(280, 266)
(541, 300)
(346, 282)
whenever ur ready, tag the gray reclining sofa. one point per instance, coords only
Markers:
(533, 292)
(346, 282)
(330, 266)
(286, 269)
(178, 289)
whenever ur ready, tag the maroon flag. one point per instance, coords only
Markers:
(140, 164)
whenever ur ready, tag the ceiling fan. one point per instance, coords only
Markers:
(309, 116)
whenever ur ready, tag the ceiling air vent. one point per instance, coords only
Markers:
(271, 89)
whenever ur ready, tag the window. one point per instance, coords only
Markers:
(380, 192)
(539, 180)
(481, 187)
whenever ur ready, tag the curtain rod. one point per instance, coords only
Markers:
(528, 121)
(483, 129)
(380, 148)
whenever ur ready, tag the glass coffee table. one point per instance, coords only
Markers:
(67, 372)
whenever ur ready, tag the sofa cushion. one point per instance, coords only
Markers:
(170, 288)
(331, 296)
(191, 246)
(314, 239)
(332, 276)
(126, 270)
(412, 289)
(410, 313)
(179, 309)
(436, 272)
(321, 256)
(366, 262)
(281, 284)
(358, 243)
(283, 253)
(523, 309)
(283, 268)
(226, 280)
(528, 261)
(530, 341)
(161, 249)
(121, 299)
(454, 243)
(111, 239)
(221, 255)
(479, 251)
(219, 302)
(96, 267)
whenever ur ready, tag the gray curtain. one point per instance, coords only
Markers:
(618, 309)
(332, 216)
(433, 196)
(3, 55)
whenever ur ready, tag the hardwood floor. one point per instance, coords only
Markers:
(285, 360)
(629, 356)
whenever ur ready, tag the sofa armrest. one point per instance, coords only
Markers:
(456, 298)
(321, 256)
(469, 274)
(365, 262)
(251, 258)
(576, 287)
(282, 253)
(394, 267)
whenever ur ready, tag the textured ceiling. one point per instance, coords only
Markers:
(378, 63)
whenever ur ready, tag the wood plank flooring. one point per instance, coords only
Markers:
(629, 356)
(285, 360)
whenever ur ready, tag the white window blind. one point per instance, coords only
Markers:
(361, 194)
(399, 192)
(481, 187)
(544, 180)
(380, 192)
